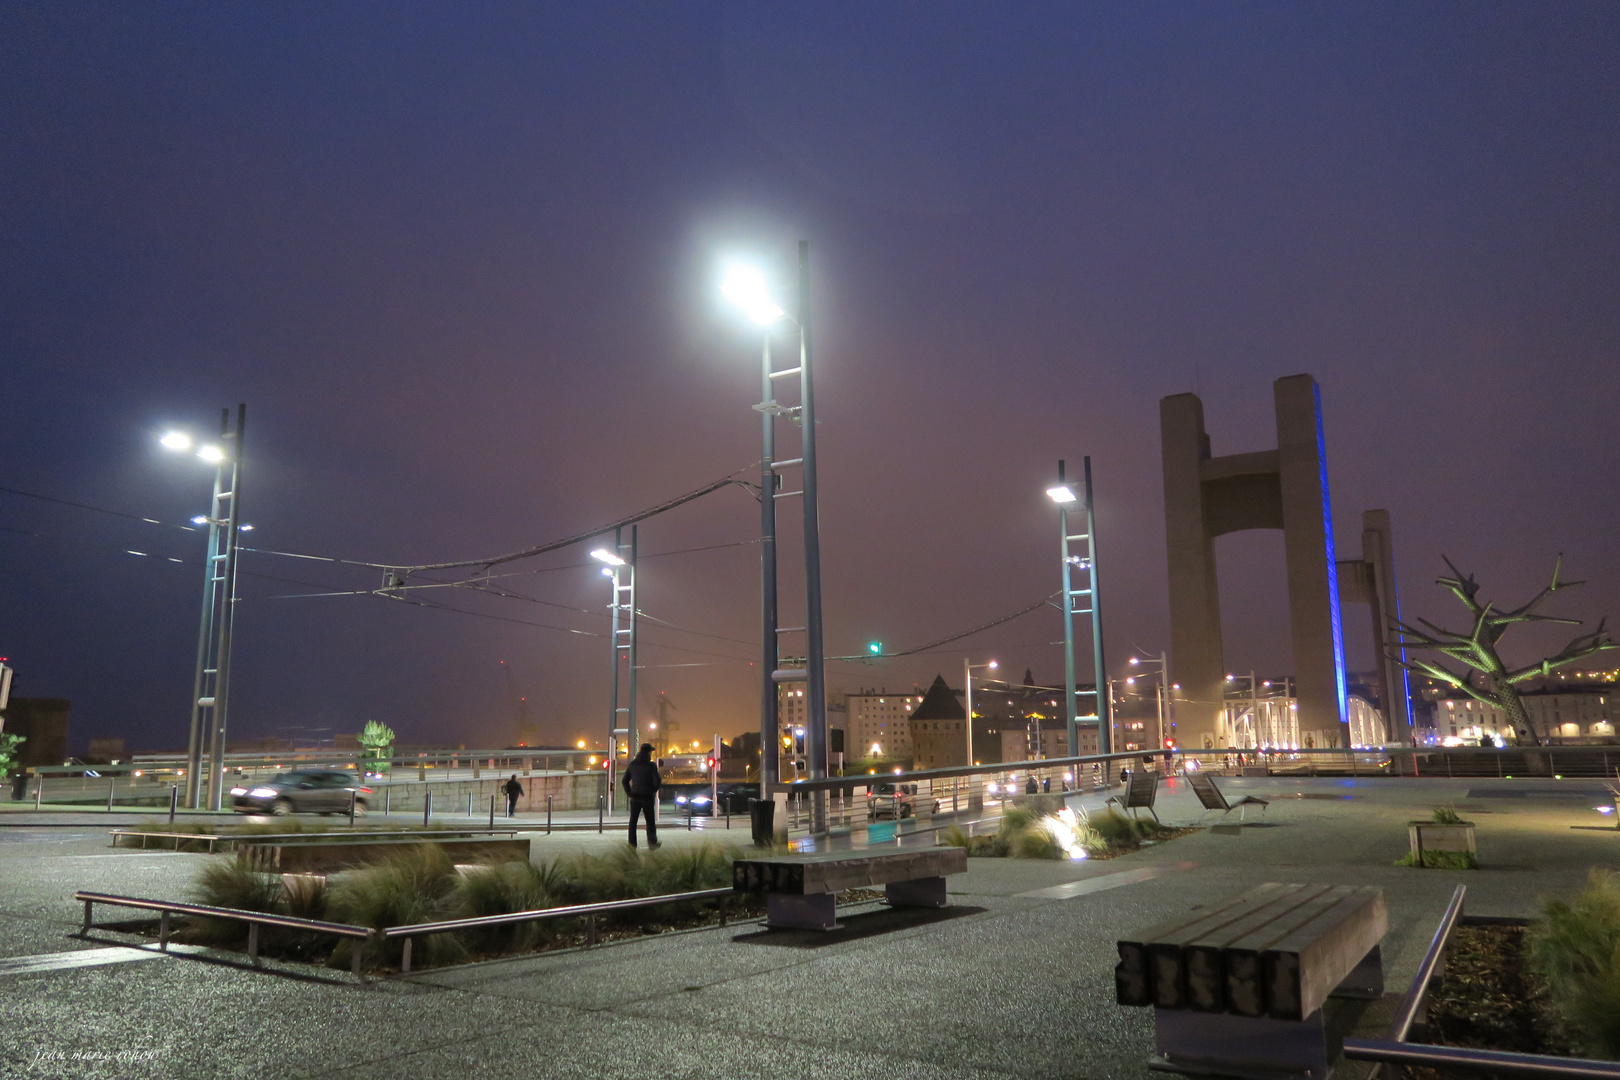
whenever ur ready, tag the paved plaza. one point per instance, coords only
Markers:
(1015, 980)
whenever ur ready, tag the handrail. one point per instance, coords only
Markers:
(585, 911)
(1484, 1061)
(254, 919)
(264, 918)
(1406, 1016)
(834, 782)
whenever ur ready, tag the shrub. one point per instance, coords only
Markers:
(1576, 948)
(224, 884)
(1447, 815)
(1442, 860)
(411, 887)
(501, 889)
(1036, 842)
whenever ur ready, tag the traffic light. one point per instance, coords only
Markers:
(711, 762)
(875, 648)
(1169, 743)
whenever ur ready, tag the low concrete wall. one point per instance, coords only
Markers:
(304, 857)
(569, 791)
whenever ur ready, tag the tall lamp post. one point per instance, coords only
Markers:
(746, 287)
(967, 684)
(211, 682)
(1167, 702)
(1082, 601)
(619, 567)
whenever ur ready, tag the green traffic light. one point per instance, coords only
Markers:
(876, 648)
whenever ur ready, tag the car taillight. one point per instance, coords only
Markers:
(365, 791)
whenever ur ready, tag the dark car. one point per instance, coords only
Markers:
(308, 791)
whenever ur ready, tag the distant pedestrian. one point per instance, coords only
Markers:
(514, 792)
(1031, 787)
(641, 784)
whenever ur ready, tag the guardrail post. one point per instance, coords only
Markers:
(112, 785)
(601, 811)
(427, 806)
(355, 954)
(253, 943)
(387, 792)
(354, 797)
(174, 802)
(492, 813)
(163, 931)
(548, 815)
(590, 930)
(405, 958)
(88, 904)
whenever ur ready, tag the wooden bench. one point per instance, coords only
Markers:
(1209, 794)
(1237, 987)
(1141, 788)
(800, 890)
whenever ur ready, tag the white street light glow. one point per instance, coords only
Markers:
(745, 286)
(211, 454)
(1062, 494)
(607, 556)
(199, 520)
(993, 664)
(176, 440)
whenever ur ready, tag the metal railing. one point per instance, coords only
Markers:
(329, 836)
(588, 912)
(1395, 1050)
(254, 919)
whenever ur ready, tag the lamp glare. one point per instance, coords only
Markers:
(1062, 494)
(176, 440)
(211, 454)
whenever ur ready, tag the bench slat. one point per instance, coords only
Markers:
(1303, 968)
(1208, 986)
(1147, 975)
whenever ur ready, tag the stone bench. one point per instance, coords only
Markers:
(800, 890)
(319, 858)
(1237, 987)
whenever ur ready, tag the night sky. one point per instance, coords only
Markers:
(461, 261)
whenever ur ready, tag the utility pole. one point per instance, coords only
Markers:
(210, 699)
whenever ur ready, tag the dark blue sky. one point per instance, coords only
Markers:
(460, 261)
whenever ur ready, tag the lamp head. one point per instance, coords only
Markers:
(1062, 494)
(745, 286)
(211, 454)
(175, 440)
(607, 556)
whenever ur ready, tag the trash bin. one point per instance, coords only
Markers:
(762, 813)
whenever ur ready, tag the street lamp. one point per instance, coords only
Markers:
(211, 682)
(619, 567)
(747, 288)
(967, 683)
(1065, 497)
(1164, 698)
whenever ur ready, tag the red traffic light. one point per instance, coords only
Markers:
(711, 762)
(1169, 744)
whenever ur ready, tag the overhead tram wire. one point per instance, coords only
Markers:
(932, 645)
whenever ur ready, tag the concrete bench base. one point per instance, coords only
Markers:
(817, 911)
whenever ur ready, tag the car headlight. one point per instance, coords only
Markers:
(263, 793)
(991, 787)
(681, 799)
(238, 791)
(701, 800)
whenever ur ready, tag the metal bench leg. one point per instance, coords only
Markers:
(1222, 1044)
(87, 906)
(814, 912)
(923, 892)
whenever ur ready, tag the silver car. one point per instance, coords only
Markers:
(308, 791)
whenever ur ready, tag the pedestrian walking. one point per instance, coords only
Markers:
(641, 784)
(514, 792)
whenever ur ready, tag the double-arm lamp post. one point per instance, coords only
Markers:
(211, 683)
(1081, 601)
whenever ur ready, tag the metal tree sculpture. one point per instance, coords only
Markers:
(1478, 647)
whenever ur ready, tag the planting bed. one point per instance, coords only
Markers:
(1493, 999)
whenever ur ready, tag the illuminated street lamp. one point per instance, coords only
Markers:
(211, 682)
(1065, 497)
(1164, 698)
(967, 684)
(747, 288)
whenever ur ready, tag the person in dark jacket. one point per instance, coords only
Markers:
(514, 791)
(641, 783)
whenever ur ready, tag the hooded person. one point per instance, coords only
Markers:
(514, 792)
(641, 783)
